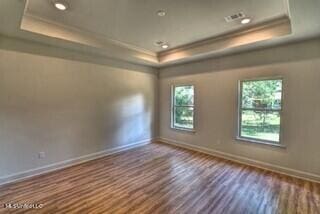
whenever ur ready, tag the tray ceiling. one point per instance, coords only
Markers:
(128, 29)
(136, 23)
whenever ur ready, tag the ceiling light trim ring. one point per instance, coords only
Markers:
(60, 5)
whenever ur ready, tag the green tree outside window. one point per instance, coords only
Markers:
(260, 109)
(183, 107)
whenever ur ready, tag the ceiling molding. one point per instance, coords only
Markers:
(37, 48)
(299, 22)
(275, 27)
(45, 27)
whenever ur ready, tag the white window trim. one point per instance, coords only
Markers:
(254, 140)
(172, 107)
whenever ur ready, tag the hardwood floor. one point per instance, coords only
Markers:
(159, 178)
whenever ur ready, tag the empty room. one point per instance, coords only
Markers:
(160, 106)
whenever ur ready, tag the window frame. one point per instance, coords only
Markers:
(173, 106)
(240, 109)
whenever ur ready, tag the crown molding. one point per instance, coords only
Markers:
(270, 29)
(52, 29)
(230, 41)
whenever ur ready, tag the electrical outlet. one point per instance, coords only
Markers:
(41, 155)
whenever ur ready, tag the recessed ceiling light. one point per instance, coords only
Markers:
(161, 13)
(245, 21)
(61, 5)
(165, 46)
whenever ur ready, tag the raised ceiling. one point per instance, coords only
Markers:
(128, 29)
(135, 22)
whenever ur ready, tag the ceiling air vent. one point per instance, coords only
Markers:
(159, 43)
(234, 17)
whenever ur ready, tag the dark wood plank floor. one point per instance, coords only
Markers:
(158, 178)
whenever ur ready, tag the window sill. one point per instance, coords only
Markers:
(259, 142)
(184, 130)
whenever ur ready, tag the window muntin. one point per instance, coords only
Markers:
(183, 107)
(260, 108)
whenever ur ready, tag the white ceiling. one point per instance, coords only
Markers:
(135, 22)
(127, 29)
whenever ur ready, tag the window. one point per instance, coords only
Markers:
(183, 107)
(260, 105)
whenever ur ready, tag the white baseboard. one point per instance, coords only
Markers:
(67, 163)
(243, 160)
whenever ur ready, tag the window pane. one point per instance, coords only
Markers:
(184, 95)
(183, 117)
(264, 94)
(261, 125)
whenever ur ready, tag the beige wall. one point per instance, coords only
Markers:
(81, 105)
(68, 108)
(216, 82)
